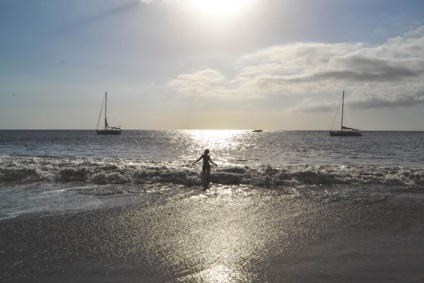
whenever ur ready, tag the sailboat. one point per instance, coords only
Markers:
(345, 131)
(107, 130)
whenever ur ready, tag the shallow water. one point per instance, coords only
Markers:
(69, 171)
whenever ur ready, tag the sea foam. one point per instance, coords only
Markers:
(123, 171)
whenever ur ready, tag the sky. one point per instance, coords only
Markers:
(212, 64)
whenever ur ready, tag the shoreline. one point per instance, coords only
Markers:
(229, 238)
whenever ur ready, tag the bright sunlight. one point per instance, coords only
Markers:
(219, 9)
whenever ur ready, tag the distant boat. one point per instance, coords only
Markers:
(345, 131)
(107, 130)
(257, 131)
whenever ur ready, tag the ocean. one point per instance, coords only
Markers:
(281, 206)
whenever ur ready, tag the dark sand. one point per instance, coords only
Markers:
(260, 237)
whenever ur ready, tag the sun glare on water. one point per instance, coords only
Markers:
(215, 139)
(219, 9)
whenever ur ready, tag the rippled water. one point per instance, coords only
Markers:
(276, 148)
(76, 170)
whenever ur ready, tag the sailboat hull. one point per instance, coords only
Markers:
(345, 134)
(109, 132)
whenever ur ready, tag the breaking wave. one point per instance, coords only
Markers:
(124, 171)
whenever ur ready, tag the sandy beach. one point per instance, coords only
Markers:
(221, 236)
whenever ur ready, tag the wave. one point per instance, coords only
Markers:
(124, 171)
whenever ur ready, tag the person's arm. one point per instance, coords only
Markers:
(212, 162)
(197, 160)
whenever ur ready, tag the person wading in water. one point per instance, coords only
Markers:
(206, 166)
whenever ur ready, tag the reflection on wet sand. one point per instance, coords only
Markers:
(224, 238)
(228, 234)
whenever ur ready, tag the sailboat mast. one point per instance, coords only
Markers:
(105, 110)
(341, 125)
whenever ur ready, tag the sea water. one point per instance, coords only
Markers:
(282, 206)
(49, 171)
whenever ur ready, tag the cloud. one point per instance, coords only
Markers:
(314, 105)
(399, 100)
(207, 83)
(203, 83)
(387, 75)
(372, 101)
(398, 60)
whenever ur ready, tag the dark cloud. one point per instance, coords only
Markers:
(363, 69)
(402, 100)
(371, 102)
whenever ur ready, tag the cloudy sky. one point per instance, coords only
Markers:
(212, 64)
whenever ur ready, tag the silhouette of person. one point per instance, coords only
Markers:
(206, 166)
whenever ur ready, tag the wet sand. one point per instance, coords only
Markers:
(221, 237)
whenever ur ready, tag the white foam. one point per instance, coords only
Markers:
(121, 171)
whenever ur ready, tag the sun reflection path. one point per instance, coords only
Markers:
(223, 143)
(218, 273)
(217, 139)
(223, 245)
(222, 237)
(216, 239)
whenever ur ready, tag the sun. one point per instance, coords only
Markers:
(219, 9)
